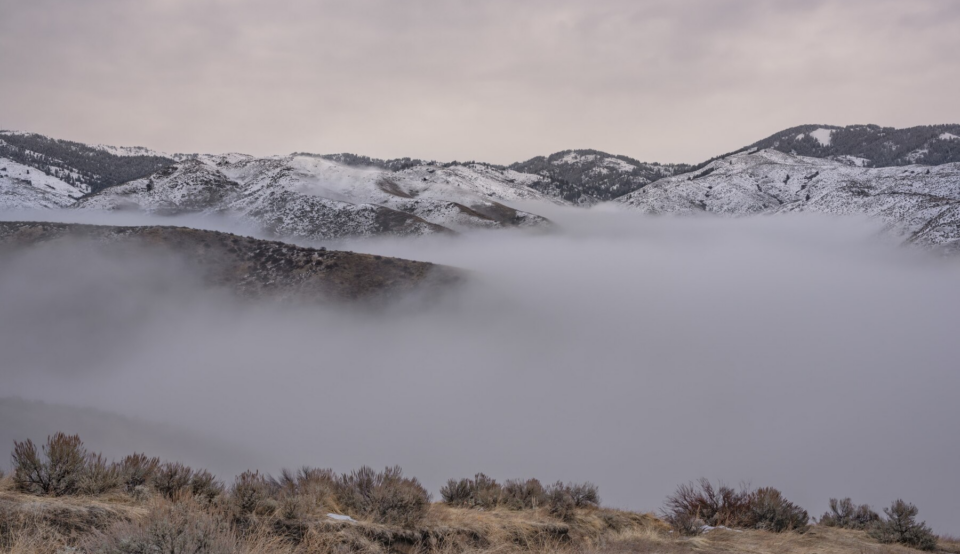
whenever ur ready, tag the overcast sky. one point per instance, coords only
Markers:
(492, 80)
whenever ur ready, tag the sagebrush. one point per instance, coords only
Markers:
(697, 505)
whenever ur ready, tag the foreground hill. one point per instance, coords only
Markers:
(921, 204)
(245, 266)
(273, 516)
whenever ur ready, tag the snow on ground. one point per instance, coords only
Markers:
(24, 187)
(948, 136)
(312, 197)
(619, 165)
(128, 151)
(575, 159)
(823, 136)
(919, 204)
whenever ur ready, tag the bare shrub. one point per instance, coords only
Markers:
(585, 495)
(386, 497)
(697, 504)
(457, 492)
(484, 492)
(900, 526)
(181, 528)
(846, 515)
(172, 480)
(249, 493)
(564, 499)
(56, 472)
(99, 476)
(700, 503)
(137, 470)
(560, 503)
(297, 495)
(480, 492)
(768, 510)
(521, 495)
(314, 483)
(204, 486)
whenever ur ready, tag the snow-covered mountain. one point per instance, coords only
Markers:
(869, 170)
(921, 203)
(870, 145)
(25, 188)
(78, 164)
(313, 197)
(586, 177)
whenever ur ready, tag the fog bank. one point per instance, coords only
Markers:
(637, 353)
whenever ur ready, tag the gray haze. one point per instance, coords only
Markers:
(638, 353)
(493, 80)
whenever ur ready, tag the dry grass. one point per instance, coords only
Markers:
(48, 525)
(949, 544)
(823, 540)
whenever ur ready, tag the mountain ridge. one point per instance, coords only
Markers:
(919, 203)
(336, 196)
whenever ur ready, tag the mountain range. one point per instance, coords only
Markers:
(908, 178)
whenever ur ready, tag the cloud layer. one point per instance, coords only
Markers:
(496, 80)
(637, 353)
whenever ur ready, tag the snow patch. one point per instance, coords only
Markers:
(619, 165)
(574, 158)
(948, 136)
(708, 528)
(823, 136)
(339, 517)
(127, 151)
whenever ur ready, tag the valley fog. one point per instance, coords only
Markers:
(634, 352)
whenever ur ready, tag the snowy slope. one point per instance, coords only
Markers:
(82, 165)
(190, 186)
(23, 187)
(920, 203)
(313, 197)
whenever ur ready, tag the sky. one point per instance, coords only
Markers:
(493, 80)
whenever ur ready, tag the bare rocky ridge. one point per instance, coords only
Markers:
(245, 266)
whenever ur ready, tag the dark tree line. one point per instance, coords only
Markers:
(582, 181)
(76, 163)
(882, 146)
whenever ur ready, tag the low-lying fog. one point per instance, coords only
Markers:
(637, 353)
